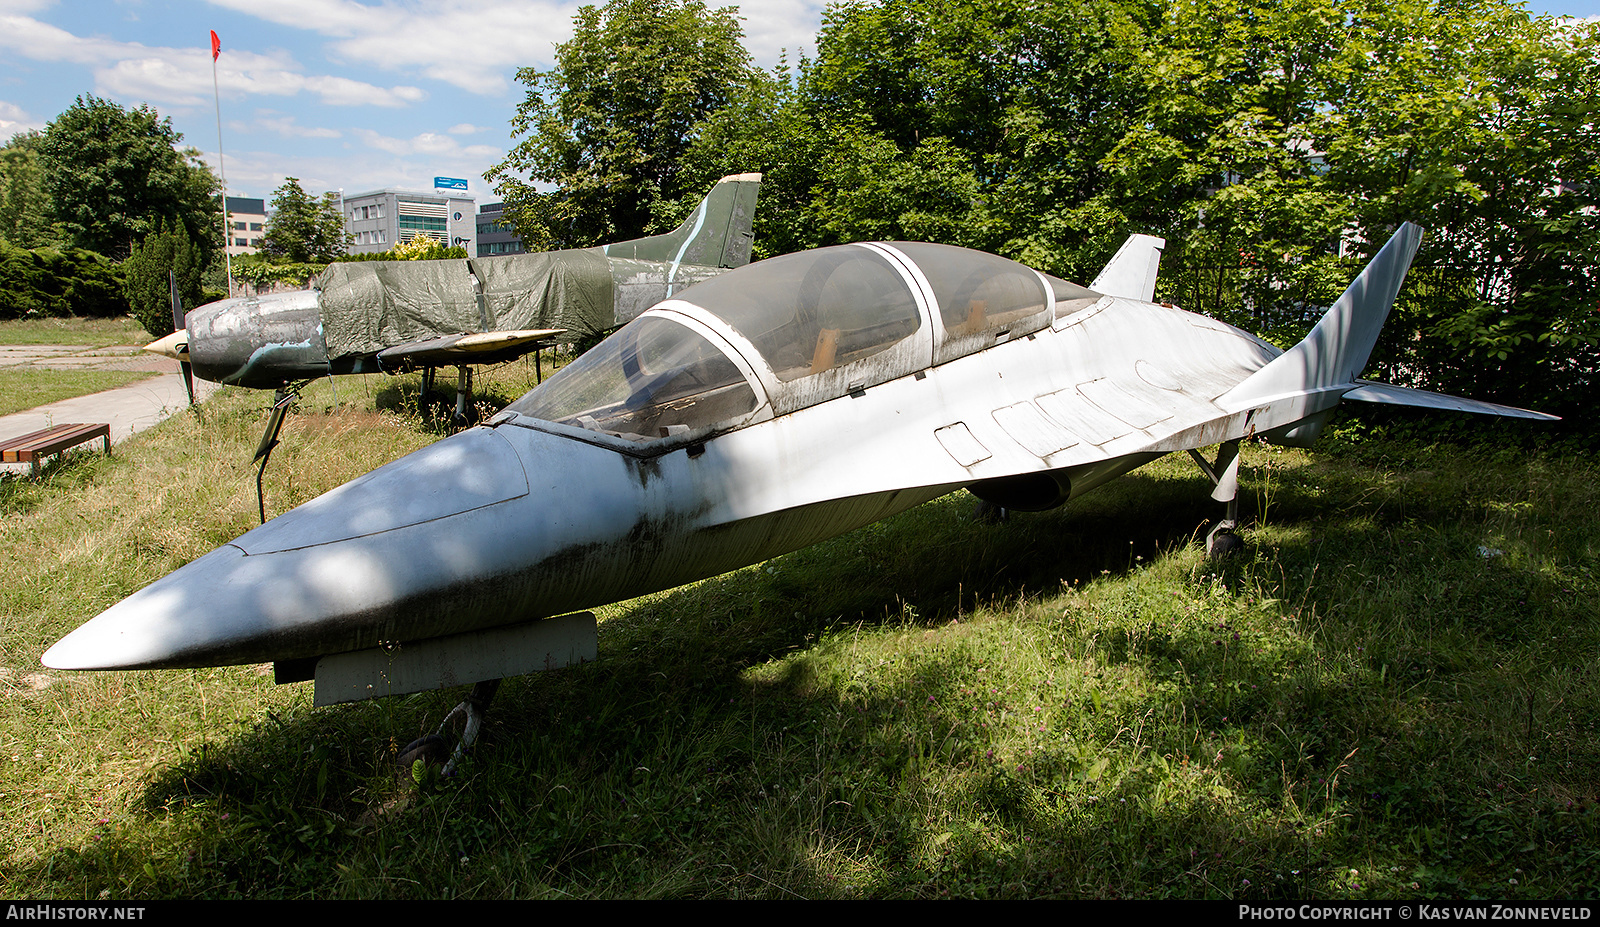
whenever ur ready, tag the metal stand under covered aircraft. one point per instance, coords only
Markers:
(756, 413)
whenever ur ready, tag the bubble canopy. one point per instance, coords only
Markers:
(789, 332)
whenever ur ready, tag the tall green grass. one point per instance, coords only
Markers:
(1392, 693)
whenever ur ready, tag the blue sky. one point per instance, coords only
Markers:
(339, 93)
(343, 94)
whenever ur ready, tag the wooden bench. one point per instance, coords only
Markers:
(35, 446)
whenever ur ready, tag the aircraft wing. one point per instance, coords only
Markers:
(469, 348)
(1370, 391)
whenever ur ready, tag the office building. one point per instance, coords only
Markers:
(379, 220)
(495, 235)
(247, 219)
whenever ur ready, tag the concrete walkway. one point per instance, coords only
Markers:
(128, 409)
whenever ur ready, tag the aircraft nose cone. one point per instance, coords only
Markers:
(175, 345)
(144, 629)
(334, 574)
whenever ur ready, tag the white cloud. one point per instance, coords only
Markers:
(477, 45)
(427, 143)
(472, 44)
(774, 26)
(25, 6)
(286, 126)
(14, 119)
(182, 76)
(466, 128)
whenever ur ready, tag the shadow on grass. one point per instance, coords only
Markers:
(673, 768)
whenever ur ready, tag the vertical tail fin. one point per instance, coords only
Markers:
(717, 234)
(1336, 350)
(1131, 272)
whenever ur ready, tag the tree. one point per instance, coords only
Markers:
(114, 175)
(1483, 128)
(303, 229)
(51, 282)
(609, 124)
(145, 277)
(24, 206)
(424, 248)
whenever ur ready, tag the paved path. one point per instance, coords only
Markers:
(128, 409)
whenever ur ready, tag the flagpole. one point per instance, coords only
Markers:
(222, 165)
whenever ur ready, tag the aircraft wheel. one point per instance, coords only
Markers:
(990, 514)
(432, 750)
(1222, 543)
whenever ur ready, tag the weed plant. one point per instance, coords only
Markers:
(1391, 694)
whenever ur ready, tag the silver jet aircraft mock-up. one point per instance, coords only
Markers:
(371, 316)
(756, 413)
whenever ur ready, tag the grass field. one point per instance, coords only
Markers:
(1392, 694)
(26, 388)
(91, 333)
(22, 389)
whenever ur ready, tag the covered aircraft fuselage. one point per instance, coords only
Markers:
(355, 310)
(264, 342)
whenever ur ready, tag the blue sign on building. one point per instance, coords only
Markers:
(449, 183)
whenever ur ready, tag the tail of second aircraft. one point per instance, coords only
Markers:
(1131, 272)
(717, 234)
(1309, 379)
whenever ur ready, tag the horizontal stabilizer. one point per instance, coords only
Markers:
(475, 348)
(1368, 391)
(1131, 272)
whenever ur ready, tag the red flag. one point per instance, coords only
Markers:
(216, 45)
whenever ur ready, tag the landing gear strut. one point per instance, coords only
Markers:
(462, 415)
(469, 714)
(1223, 540)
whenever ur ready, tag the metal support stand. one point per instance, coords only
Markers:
(463, 395)
(269, 439)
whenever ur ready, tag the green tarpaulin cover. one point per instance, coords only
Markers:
(371, 305)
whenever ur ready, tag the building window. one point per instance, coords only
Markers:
(423, 223)
(238, 226)
(255, 226)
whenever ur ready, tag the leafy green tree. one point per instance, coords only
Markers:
(763, 129)
(303, 229)
(145, 277)
(424, 248)
(1017, 101)
(58, 282)
(114, 175)
(24, 205)
(610, 123)
(1481, 126)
